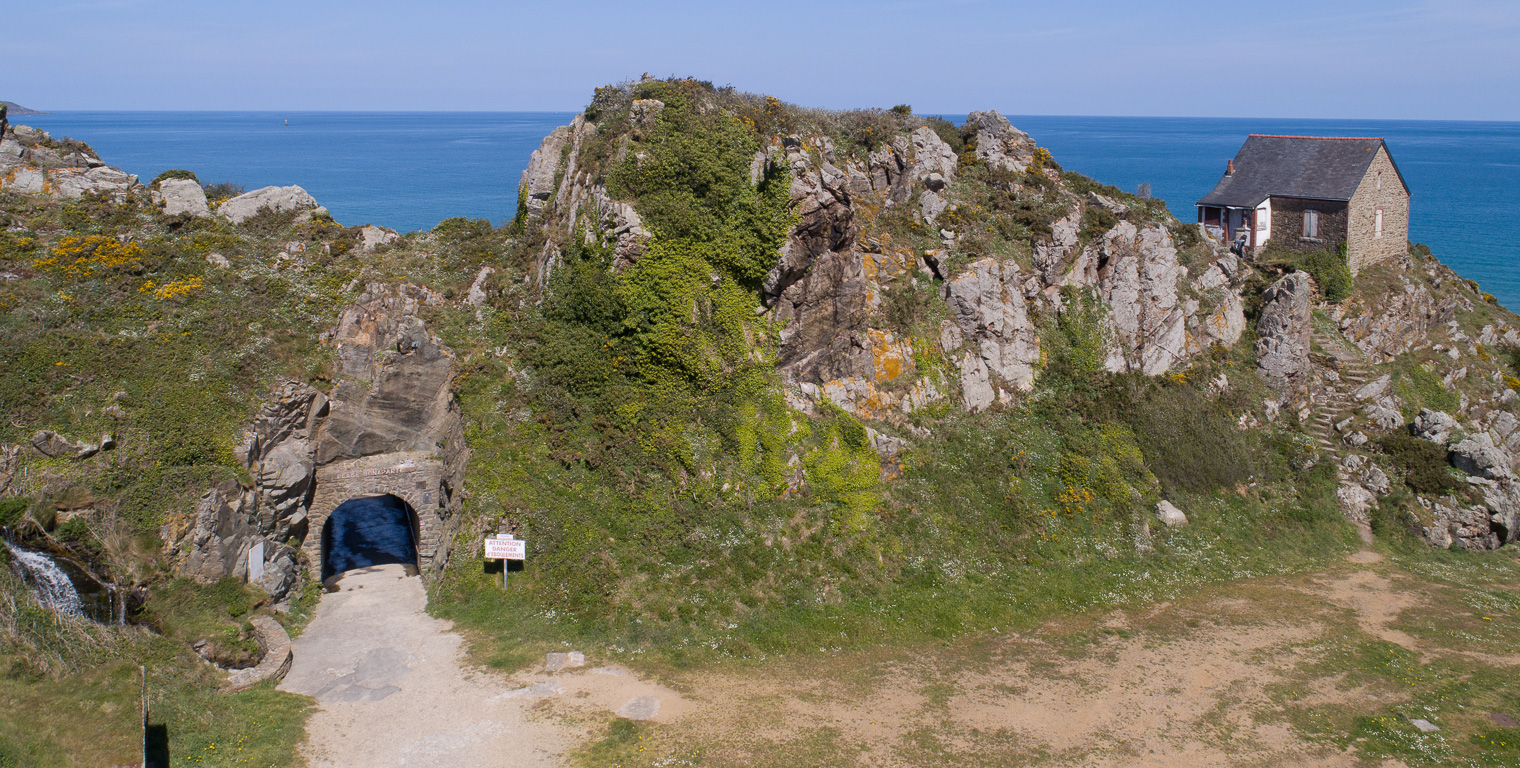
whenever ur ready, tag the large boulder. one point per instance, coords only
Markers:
(1283, 333)
(275, 199)
(1169, 514)
(182, 197)
(1478, 456)
(1435, 426)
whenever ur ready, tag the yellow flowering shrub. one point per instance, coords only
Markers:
(82, 257)
(173, 290)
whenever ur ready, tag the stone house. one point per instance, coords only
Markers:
(1310, 193)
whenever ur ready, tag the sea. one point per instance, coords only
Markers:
(410, 170)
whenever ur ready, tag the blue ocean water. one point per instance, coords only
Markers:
(410, 170)
(403, 170)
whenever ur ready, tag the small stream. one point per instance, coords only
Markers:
(65, 588)
(53, 587)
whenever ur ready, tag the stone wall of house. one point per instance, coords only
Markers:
(1364, 248)
(1288, 224)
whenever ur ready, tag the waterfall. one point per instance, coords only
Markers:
(53, 587)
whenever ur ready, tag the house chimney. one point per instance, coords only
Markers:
(1229, 170)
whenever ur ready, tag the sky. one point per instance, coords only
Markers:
(1361, 59)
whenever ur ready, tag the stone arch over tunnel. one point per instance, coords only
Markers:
(419, 479)
(369, 531)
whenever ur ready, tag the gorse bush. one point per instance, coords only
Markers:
(1426, 470)
(1187, 441)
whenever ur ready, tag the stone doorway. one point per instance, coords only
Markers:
(369, 531)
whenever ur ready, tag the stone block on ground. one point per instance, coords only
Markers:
(555, 662)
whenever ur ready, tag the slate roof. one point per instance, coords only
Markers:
(1314, 167)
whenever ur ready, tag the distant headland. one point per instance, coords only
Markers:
(16, 109)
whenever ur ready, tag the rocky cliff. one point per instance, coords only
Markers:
(928, 263)
(911, 216)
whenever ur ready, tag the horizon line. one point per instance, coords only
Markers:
(41, 113)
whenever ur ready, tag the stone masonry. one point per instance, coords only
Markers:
(418, 478)
(1366, 248)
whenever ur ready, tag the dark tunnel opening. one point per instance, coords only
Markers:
(375, 530)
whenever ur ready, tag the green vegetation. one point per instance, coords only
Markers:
(627, 418)
(174, 173)
(1329, 268)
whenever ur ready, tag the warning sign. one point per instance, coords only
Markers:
(506, 549)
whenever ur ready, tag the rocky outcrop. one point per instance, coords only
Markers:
(372, 237)
(1139, 280)
(279, 450)
(32, 163)
(291, 199)
(391, 417)
(56, 446)
(998, 143)
(181, 197)
(1435, 426)
(226, 527)
(1283, 333)
(992, 339)
(828, 285)
(394, 391)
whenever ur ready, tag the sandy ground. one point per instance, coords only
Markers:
(1202, 682)
(392, 689)
(1166, 686)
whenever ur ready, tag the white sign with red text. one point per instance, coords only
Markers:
(506, 549)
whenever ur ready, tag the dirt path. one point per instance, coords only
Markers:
(392, 689)
(1225, 678)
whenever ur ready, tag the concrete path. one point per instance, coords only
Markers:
(392, 690)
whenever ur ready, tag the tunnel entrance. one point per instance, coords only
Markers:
(375, 530)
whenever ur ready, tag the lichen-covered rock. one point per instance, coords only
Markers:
(998, 143)
(1002, 344)
(181, 197)
(1355, 502)
(274, 199)
(372, 237)
(1435, 426)
(1374, 389)
(1139, 282)
(1478, 456)
(1283, 333)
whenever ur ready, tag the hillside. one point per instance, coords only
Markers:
(16, 110)
(752, 380)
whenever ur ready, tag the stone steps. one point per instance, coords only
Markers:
(1339, 403)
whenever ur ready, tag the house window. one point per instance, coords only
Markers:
(1380, 181)
(1311, 223)
(1377, 223)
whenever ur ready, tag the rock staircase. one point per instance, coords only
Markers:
(1338, 402)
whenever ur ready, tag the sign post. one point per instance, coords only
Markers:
(505, 547)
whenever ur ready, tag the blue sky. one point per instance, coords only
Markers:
(1411, 59)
